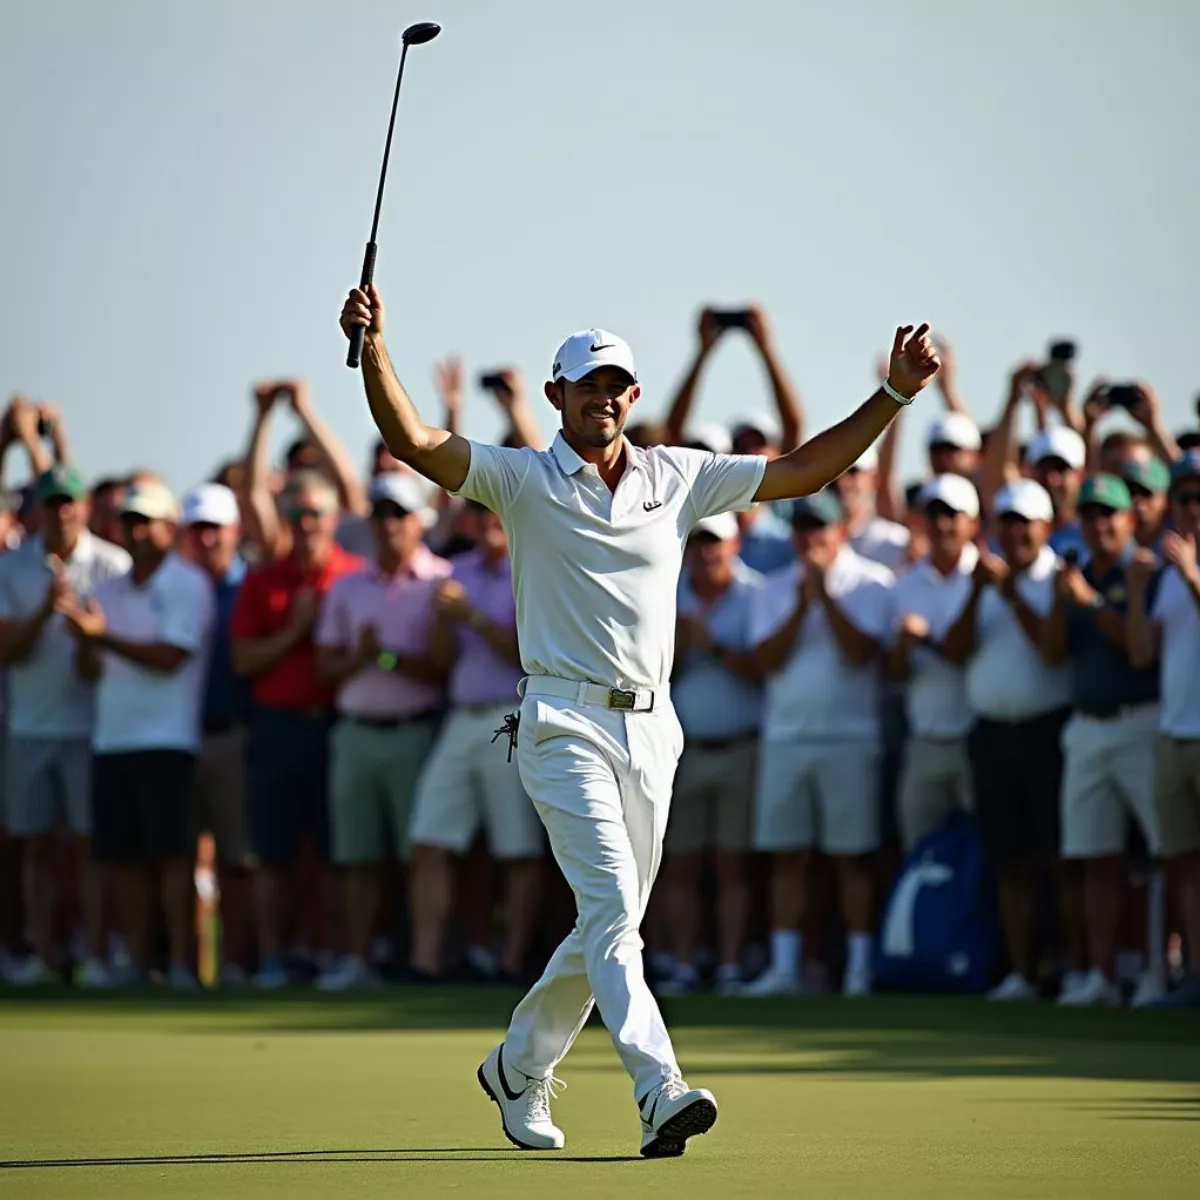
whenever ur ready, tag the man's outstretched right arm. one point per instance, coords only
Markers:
(440, 456)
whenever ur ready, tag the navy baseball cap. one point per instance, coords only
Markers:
(1187, 467)
(821, 508)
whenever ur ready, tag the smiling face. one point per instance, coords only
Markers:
(1105, 530)
(595, 408)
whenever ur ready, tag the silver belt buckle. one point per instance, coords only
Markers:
(622, 700)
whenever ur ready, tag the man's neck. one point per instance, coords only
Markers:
(310, 563)
(946, 563)
(143, 569)
(219, 572)
(391, 563)
(711, 589)
(62, 549)
(1064, 516)
(492, 559)
(858, 520)
(608, 460)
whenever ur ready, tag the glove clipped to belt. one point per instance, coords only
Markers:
(510, 729)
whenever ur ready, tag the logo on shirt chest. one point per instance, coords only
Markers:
(651, 505)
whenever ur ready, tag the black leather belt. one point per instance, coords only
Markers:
(393, 722)
(1110, 712)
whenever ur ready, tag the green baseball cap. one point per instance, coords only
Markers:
(1153, 476)
(1105, 491)
(61, 480)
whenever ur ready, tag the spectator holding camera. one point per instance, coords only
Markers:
(935, 776)
(144, 637)
(464, 783)
(1108, 743)
(1166, 627)
(1021, 705)
(219, 804)
(818, 629)
(371, 646)
(766, 541)
(48, 775)
(717, 693)
(288, 762)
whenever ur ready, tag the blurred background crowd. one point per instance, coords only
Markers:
(250, 731)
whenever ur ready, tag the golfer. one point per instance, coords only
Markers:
(597, 529)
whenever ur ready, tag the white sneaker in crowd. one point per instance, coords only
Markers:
(524, 1108)
(1072, 981)
(93, 974)
(774, 981)
(32, 972)
(671, 1114)
(1151, 988)
(271, 976)
(350, 975)
(857, 983)
(1095, 991)
(729, 980)
(1013, 987)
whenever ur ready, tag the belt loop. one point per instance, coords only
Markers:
(522, 683)
(581, 694)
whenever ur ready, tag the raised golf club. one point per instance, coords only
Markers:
(414, 35)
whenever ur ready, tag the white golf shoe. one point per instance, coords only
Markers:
(524, 1108)
(1014, 988)
(773, 982)
(671, 1114)
(1095, 992)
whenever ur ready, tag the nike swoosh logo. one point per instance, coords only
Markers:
(503, 1081)
(603, 346)
(651, 505)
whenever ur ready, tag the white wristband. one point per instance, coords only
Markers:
(895, 395)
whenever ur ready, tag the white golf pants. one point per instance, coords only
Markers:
(601, 782)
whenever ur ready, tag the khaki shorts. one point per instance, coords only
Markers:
(818, 793)
(1108, 776)
(713, 801)
(373, 773)
(467, 782)
(935, 781)
(217, 804)
(1177, 795)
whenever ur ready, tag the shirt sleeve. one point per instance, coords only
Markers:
(495, 476)
(333, 626)
(189, 610)
(719, 483)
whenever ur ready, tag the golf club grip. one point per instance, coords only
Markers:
(358, 334)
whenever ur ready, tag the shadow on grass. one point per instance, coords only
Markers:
(302, 1157)
(903, 1036)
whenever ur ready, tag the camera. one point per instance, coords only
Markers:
(1055, 376)
(731, 318)
(494, 381)
(1122, 395)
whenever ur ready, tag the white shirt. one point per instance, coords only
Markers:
(140, 709)
(46, 697)
(817, 693)
(594, 571)
(936, 689)
(1176, 611)
(1007, 679)
(882, 541)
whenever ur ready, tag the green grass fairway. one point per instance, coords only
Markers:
(294, 1096)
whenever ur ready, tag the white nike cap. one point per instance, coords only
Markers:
(722, 526)
(1058, 442)
(589, 350)
(955, 492)
(954, 429)
(1024, 498)
(210, 504)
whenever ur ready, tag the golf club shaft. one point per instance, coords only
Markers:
(358, 334)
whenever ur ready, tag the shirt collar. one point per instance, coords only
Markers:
(571, 463)
(967, 562)
(422, 565)
(85, 548)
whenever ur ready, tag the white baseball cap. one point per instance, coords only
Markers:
(1058, 442)
(954, 492)
(589, 350)
(1024, 498)
(955, 429)
(210, 504)
(152, 500)
(868, 460)
(400, 488)
(722, 526)
(712, 437)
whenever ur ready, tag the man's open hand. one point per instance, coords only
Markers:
(914, 361)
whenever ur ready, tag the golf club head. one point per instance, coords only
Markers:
(423, 31)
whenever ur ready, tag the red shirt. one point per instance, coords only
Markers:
(264, 607)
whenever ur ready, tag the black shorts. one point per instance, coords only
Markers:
(288, 777)
(140, 805)
(1016, 772)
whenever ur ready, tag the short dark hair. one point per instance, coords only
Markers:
(108, 483)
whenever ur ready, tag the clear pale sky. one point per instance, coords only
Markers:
(187, 188)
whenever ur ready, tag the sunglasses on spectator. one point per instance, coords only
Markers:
(298, 514)
(385, 509)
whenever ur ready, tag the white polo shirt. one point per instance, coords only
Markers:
(46, 697)
(936, 689)
(595, 571)
(817, 693)
(1007, 679)
(140, 709)
(882, 541)
(1176, 611)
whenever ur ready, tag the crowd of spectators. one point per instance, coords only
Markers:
(309, 669)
